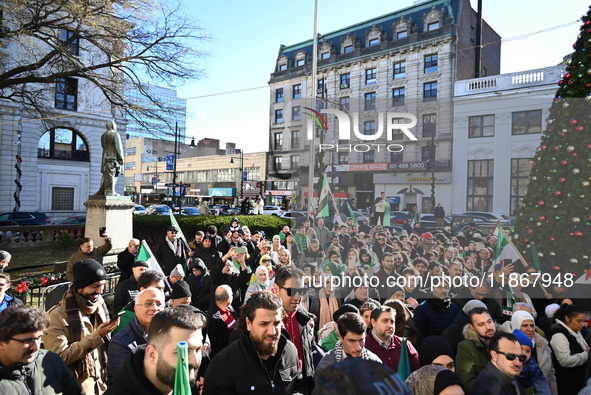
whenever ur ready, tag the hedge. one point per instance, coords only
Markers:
(152, 228)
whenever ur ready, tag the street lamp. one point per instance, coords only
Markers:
(241, 172)
(432, 164)
(177, 153)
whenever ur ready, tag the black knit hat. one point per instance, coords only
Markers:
(180, 289)
(141, 263)
(87, 272)
(446, 378)
(432, 347)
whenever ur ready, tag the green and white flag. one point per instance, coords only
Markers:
(182, 385)
(387, 213)
(180, 233)
(352, 215)
(506, 252)
(324, 199)
(145, 254)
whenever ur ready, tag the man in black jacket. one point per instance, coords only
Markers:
(126, 259)
(151, 368)
(126, 290)
(170, 251)
(262, 361)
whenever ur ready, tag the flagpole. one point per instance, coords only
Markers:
(313, 141)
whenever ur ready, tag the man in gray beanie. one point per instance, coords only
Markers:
(79, 328)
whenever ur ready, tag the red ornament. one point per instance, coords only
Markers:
(567, 76)
(580, 128)
(552, 239)
(555, 148)
(573, 121)
(562, 134)
(541, 203)
(578, 233)
(544, 147)
(588, 146)
(529, 231)
(574, 154)
(557, 193)
(560, 82)
(564, 162)
(562, 180)
(571, 82)
(542, 218)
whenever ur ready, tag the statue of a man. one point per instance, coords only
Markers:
(112, 164)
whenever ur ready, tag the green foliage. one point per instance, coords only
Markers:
(152, 228)
(555, 216)
(65, 239)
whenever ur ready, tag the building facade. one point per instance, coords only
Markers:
(381, 74)
(498, 122)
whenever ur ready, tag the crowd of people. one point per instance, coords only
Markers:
(351, 309)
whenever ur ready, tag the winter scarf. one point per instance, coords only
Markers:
(341, 356)
(327, 307)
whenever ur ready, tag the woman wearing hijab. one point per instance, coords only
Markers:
(433, 380)
(541, 351)
(261, 283)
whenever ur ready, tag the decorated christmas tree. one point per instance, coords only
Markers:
(554, 222)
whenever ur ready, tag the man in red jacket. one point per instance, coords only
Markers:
(384, 343)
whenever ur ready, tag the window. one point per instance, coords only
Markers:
(480, 185)
(129, 166)
(400, 35)
(343, 158)
(472, 34)
(397, 134)
(279, 95)
(399, 70)
(324, 55)
(430, 91)
(320, 85)
(527, 122)
(428, 154)
(278, 141)
(348, 49)
(370, 101)
(282, 67)
(429, 125)
(71, 41)
(430, 63)
(64, 144)
(369, 128)
(396, 157)
(300, 62)
(297, 91)
(370, 76)
(66, 94)
(374, 42)
(295, 139)
(432, 26)
(277, 163)
(345, 81)
(294, 162)
(130, 151)
(344, 103)
(481, 126)
(62, 198)
(369, 157)
(520, 169)
(279, 116)
(397, 97)
(295, 113)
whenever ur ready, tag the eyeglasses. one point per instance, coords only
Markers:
(28, 342)
(510, 356)
(266, 260)
(147, 305)
(295, 291)
(381, 239)
(397, 259)
(174, 232)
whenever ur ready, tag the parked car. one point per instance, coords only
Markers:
(273, 210)
(394, 228)
(491, 216)
(25, 218)
(298, 217)
(75, 220)
(190, 211)
(428, 221)
(138, 209)
(158, 209)
(398, 217)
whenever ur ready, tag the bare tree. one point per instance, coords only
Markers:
(46, 46)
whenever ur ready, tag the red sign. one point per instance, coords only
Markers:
(259, 184)
(368, 166)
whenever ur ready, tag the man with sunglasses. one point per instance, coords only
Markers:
(380, 247)
(499, 375)
(473, 352)
(24, 367)
(288, 286)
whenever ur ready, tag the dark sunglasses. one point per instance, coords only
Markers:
(266, 260)
(510, 356)
(295, 291)
(397, 259)
(173, 231)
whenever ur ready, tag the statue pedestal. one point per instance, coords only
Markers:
(113, 212)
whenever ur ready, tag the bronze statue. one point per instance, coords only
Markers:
(112, 164)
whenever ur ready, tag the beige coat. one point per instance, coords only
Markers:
(56, 340)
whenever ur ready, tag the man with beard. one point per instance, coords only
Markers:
(473, 353)
(151, 368)
(262, 360)
(79, 329)
(437, 312)
(24, 367)
(87, 251)
(170, 251)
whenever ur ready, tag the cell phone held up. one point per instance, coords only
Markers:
(119, 314)
(102, 231)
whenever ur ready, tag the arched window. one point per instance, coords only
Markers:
(63, 144)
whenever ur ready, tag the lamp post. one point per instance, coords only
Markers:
(241, 172)
(432, 164)
(177, 153)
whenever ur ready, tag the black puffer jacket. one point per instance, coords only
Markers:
(46, 375)
(247, 374)
(131, 378)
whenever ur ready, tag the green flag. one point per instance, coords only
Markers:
(404, 362)
(324, 196)
(181, 376)
(180, 233)
(387, 213)
(352, 215)
(535, 258)
(145, 254)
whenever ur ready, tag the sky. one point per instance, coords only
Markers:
(231, 102)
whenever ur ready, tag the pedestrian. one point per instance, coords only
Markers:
(126, 259)
(5, 258)
(87, 251)
(439, 214)
(5, 299)
(170, 251)
(380, 209)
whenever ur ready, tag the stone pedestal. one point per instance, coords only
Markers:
(113, 212)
